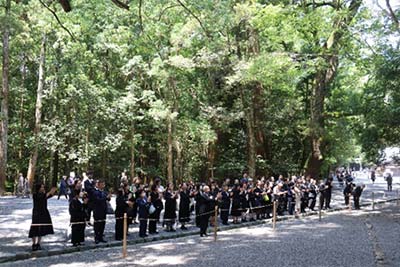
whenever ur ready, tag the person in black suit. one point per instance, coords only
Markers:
(184, 206)
(225, 204)
(143, 209)
(100, 198)
(89, 187)
(205, 209)
(78, 215)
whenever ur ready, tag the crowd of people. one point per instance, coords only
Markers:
(153, 206)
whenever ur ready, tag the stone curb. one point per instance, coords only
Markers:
(68, 250)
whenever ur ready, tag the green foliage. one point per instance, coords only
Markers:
(124, 77)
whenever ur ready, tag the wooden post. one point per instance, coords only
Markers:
(398, 200)
(215, 222)
(274, 216)
(125, 233)
(373, 200)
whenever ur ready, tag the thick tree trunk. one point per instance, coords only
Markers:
(322, 81)
(38, 114)
(4, 101)
(170, 156)
(133, 143)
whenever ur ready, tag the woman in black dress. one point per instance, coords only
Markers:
(78, 215)
(41, 220)
(236, 206)
(170, 207)
(123, 203)
(158, 205)
(184, 206)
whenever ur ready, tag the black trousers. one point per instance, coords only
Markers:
(119, 229)
(142, 227)
(99, 230)
(389, 187)
(346, 200)
(328, 199)
(224, 216)
(204, 223)
(78, 233)
(356, 202)
(311, 203)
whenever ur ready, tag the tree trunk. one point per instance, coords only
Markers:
(54, 179)
(21, 122)
(251, 138)
(87, 140)
(211, 159)
(38, 114)
(132, 167)
(170, 155)
(322, 81)
(4, 101)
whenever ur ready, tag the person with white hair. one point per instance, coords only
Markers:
(205, 208)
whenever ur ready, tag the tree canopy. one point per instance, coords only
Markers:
(196, 89)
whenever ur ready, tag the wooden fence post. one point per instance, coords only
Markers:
(124, 248)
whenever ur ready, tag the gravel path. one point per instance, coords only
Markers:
(341, 239)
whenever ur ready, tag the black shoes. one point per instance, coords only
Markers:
(183, 227)
(36, 247)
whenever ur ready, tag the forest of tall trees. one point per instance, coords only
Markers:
(196, 89)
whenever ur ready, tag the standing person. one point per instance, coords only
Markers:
(389, 181)
(235, 195)
(41, 220)
(63, 187)
(78, 215)
(89, 187)
(357, 195)
(100, 198)
(373, 177)
(312, 195)
(170, 207)
(328, 192)
(158, 205)
(225, 204)
(322, 193)
(205, 209)
(21, 185)
(184, 206)
(122, 205)
(143, 211)
(297, 197)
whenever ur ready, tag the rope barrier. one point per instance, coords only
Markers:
(153, 219)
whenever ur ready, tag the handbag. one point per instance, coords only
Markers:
(152, 209)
